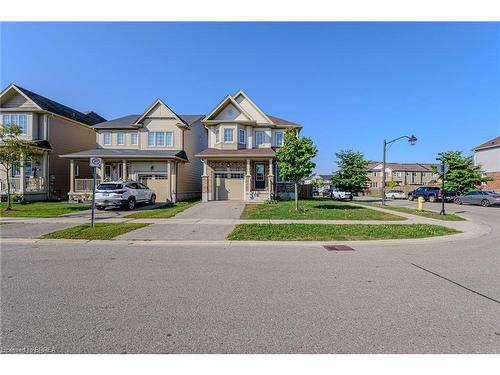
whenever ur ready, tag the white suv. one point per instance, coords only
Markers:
(123, 194)
(339, 194)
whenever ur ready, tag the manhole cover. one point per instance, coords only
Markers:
(338, 248)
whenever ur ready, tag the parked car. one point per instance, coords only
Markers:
(484, 198)
(326, 193)
(429, 193)
(123, 194)
(449, 195)
(339, 194)
(395, 194)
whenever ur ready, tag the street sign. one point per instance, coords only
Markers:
(95, 162)
(443, 168)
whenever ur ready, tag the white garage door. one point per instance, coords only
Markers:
(159, 183)
(229, 186)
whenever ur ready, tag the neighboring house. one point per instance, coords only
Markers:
(487, 155)
(156, 148)
(406, 176)
(240, 161)
(324, 179)
(55, 129)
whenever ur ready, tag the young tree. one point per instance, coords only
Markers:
(295, 159)
(463, 175)
(352, 174)
(14, 151)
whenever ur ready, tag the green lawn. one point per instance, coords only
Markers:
(408, 210)
(101, 231)
(314, 209)
(165, 211)
(338, 232)
(41, 209)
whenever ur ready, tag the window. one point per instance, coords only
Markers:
(397, 174)
(373, 184)
(259, 138)
(160, 139)
(217, 140)
(228, 135)
(133, 139)
(242, 137)
(107, 139)
(16, 171)
(279, 139)
(19, 120)
(120, 139)
(279, 177)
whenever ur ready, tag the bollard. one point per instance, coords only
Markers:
(421, 201)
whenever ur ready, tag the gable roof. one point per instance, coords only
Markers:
(409, 167)
(489, 144)
(159, 101)
(242, 93)
(130, 122)
(54, 107)
(228, 99)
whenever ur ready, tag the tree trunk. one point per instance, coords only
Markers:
(8, 191)
(296, 198)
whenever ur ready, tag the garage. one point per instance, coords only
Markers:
(229, 186)
(159, 183)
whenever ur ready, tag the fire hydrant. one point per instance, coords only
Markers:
(421, 201)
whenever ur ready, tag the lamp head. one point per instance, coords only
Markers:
(412, 140)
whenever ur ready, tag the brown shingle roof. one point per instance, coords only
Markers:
(491, 143)
(245, 152)
(280, 121)
(409, 167)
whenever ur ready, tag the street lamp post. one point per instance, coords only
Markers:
(411, 140)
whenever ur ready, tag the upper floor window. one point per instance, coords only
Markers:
(259, 138)
(120, 139)
(228, 135)
(133, 139)
(160, 139)
(107, 139)
(14, 119)
(217, 139)
(242, 137)
(279, 139)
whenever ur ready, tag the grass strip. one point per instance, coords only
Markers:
(330, 232)
(413, 211)
(41, 209)
(165, 211)
(101, 231)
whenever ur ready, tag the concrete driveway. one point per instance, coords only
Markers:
(214, 210)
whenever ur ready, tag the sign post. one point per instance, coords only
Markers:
(94, 163)
(442, 169)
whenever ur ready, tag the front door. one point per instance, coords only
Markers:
(260, 179)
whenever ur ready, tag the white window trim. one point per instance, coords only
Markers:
(25, 131)
(118, 134)
(244, 133)
(276, 139)
(217, 135)
(132, 139)
(257, 144)
(224, 134)
(165, 138)
(104, 139)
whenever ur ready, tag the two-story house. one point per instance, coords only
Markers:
(55, 129)
(240, 161)
(156, 148)
(487, 155)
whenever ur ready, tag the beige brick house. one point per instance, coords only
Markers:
(487, 155)
(240, 161)
(406, 176)
(156, 148)
(55, 129)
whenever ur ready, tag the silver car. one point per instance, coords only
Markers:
(484, 198)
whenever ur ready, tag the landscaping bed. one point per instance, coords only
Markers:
(41, 209)
(101, 231)
(314, 209)
(413, 211)
(165, 211)
(338, 232)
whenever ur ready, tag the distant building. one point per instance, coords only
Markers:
(487, 155)
(326, 179)
(406, 176)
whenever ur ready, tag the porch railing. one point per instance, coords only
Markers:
(32, 185)
(84, 185)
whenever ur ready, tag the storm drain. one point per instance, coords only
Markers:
(338, 248)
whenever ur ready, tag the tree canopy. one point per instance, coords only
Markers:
(352, 173)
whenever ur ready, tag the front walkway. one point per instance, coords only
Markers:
(213, 210)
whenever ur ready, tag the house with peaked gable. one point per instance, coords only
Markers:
(54, 128)
(240, 161)
(156, 147)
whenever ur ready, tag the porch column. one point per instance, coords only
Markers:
(22, 177)
(102, 170)
(124, 170)
(173, 171)
(270, 178)
(71, 176)
(204, 182)
(248, 180)
(45, 172)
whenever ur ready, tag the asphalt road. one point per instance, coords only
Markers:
(69, 298)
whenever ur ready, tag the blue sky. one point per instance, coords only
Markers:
(349, 84)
